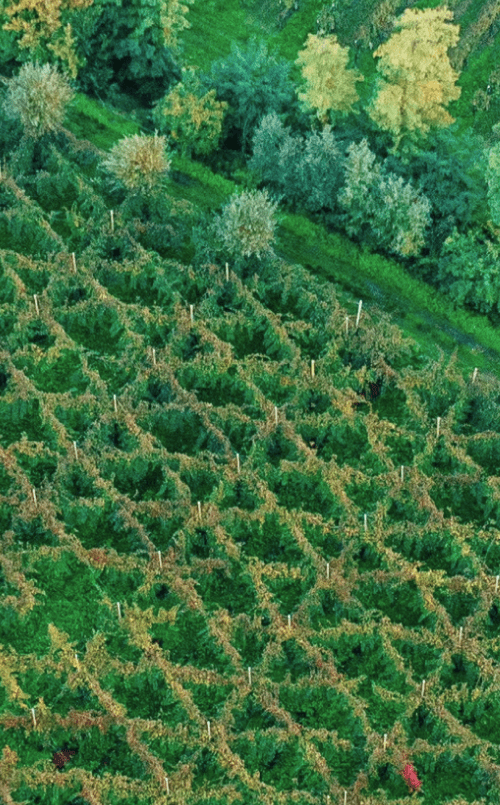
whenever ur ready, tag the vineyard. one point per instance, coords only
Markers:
(249, 545)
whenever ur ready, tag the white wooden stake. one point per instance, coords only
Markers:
(154, 356)
(460, 638)
(474, 375)
(36, 304)
(347, 325)
(312, 368)
(76, 451)
(119, 610)
(423, 688)
(77, 663)
(159, 557)
(276, 414)
(191, 312)
(366, 523)
(328, 570)
(402, 473)
(227, 272)
(74, 261)
(208, 725)
(199, 509)
(112, 221)
(168, 789)
(359, 313)
(385, 739)
(289, 621)
(496, 585)
(33, 714)
(438, 421)
(114, 403)
(238, 461)
(249, 676)
(345, 796)
(34, 496)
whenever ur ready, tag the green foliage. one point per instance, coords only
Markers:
(493, 178)
(468, 270)
(125, 49)
(253, 83)
(382, 208)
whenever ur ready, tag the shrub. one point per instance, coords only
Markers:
(193, 119)
(246, 226)
(138, 162)
(37, 96)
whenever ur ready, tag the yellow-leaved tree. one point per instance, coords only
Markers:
(41, 24)
(331, 87)
(420, 80)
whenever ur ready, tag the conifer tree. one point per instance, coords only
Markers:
(418, 79)
(330, 85)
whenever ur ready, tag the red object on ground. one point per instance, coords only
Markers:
(411, 778)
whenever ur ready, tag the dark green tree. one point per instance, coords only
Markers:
(253, 83)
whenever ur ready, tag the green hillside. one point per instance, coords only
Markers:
(262, 493)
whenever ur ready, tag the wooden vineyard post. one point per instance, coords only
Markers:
(199, 510)
(76, 451)
(385, 740)
(227, 272)
(238, 462)
(168, 789)
(112, 221)
(328, 570)
(159, 557)
(496, 585)
(77, 662)
(437, 429)
(33, 716)
(115, 404)
(154, 357)
(474, 375)
(276, 414)
(460, 637)
(119, 610)
(249, 676)
(366, 523)
(191, 308)
(289, 621)
(312, 368)
(423, 688)
(36, 304)
(208, 727)
(34, 497)
(402, 473)
(345, 796)
(347, 325)
(74, 261)
(359, 313)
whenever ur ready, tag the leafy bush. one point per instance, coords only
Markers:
(138, 162)
(246, 226)
(37, 96)
(194, 119)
